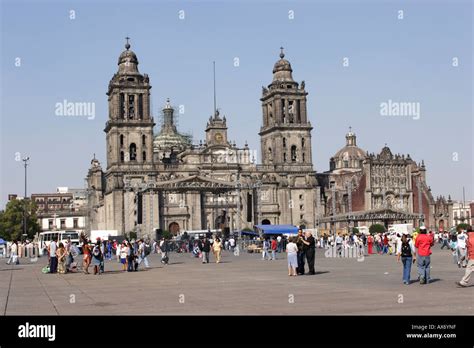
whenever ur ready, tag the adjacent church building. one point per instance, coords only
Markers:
(165, 181)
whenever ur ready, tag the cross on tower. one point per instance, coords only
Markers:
(127, 45)
(282, 54)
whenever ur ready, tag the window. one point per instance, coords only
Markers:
(122, 156)
(131, 106)
(133, 152)
(284, 156)
(140, 106)
(143, 139)
(76, 223)
(301, 207)
(293, 153)
(63, 224)
(346, 164)
(303, 157)
(122, 105)
(302, 142)
(301, 217)
(144, 156)
(301, 196)
(121, 139)
(284, 142)
(50, 224)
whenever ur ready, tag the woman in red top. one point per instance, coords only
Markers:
(370, 243)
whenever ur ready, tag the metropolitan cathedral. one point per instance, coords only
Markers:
(166, 181)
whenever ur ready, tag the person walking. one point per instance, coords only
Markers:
(423, 244)
(301, 254)
(97, 257)
(61, 255)
(309, 247)
(53, 268)
(274, 247)
(13, 259)
(265, 247)
(470, 263)
(370, 244)
(462, 248)
(123, 255)
(292, 251)
(444, 240)
(279, 242)
(406, 252)
(87, 255)
(217, 248)
(206, 249)
(143, 251)
(164, 247)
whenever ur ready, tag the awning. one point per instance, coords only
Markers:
(249, 233)
(277, 229)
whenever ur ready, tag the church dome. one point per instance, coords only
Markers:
(128, 61)
(169, 137)
(350, 156)
(282, 71)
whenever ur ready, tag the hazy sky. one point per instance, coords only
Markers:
(403, 60)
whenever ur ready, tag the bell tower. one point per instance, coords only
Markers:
(129, 129)
(285, 136)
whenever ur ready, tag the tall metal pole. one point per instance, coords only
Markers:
(25, 163)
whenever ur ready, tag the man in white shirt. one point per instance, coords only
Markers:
(232, 243)
(53, 260)
(339, 241)
(279, 244)
(461, 249)
(13, 253)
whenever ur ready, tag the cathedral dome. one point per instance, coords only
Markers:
(282, 69)
(128, 61)
(350, 156)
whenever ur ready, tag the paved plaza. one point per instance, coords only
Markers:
(241, 284)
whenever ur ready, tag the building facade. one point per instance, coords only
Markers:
(165, 181)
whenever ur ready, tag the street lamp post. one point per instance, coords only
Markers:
(25, 164)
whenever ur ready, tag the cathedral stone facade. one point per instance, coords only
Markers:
(165, 181)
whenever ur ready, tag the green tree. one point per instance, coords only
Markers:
(355, 230)
(462, 226)
(376, 228)
(167, 234)
(11, 219)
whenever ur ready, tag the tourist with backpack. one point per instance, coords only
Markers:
(144, 250)
(97, 257)
(406, 252)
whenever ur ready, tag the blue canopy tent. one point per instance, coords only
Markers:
(249, 233)
(2, 241)
(277, 229)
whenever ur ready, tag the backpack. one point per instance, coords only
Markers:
(147, 249)
(406, 250)
(96, 251)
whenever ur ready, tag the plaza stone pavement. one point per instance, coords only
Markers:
(241, 284)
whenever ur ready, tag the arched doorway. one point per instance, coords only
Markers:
(441, 225)
(266, 222)
(173, 228)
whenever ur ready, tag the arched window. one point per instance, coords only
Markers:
(293, 153)
(270, 154)
(302, 142)
(133, 152)
(122, 156)
(144, 156)
(121, 139)
(143, 139)
(303, 157)
(284, 142)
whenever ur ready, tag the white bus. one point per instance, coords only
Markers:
(46, 237)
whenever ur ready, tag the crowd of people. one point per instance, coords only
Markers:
(301, 249)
